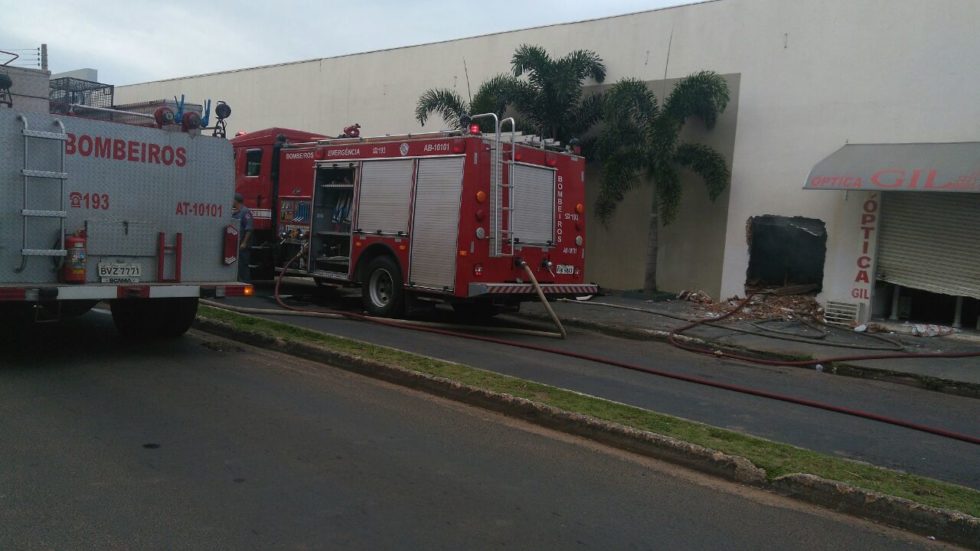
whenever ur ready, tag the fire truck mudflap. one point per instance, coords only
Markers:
(99, 211)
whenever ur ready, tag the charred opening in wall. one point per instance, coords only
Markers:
(786, 251)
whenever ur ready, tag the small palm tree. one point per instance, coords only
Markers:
(545, 95)
(492, 96)
(550, 99)
(641, 139)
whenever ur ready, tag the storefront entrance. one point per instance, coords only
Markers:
(929, 257)
(919, 216)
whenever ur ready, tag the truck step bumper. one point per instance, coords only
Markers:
(11, 293)
(556, 289)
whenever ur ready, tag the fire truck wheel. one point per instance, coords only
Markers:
(178, 315)
(77, 307)
(14, 320)
(157, 318)
(382, 289)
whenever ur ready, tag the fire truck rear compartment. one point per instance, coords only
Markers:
(150, 204)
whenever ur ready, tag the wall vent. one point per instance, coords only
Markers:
(842, 313)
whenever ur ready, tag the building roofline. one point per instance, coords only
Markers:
(447, 41)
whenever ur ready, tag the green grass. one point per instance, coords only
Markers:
(776, 458)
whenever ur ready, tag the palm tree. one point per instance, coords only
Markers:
(548, 99)
(492, 96)
(641, 139)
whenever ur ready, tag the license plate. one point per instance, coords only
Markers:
(120, 273)
(565, 269)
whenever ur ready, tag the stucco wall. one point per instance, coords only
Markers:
(29, 91)
(814, 74)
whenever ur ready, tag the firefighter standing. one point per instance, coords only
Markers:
(245, 225)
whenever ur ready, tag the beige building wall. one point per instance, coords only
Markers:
(813, 75)
(29, 91)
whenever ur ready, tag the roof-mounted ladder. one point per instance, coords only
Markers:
(501, 215)
(31, 174)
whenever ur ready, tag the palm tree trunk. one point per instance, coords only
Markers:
(653, 246)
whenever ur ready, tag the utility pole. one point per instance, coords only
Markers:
(44, 57)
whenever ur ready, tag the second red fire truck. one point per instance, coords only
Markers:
(477, 221)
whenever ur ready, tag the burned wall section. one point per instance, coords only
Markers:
(786, 251)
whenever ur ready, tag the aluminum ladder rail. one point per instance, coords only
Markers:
(27, 174)
(511, 186)
(497, 208)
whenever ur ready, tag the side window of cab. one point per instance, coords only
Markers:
(253, 162)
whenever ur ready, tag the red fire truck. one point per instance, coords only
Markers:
(94, 211)
(445, 216)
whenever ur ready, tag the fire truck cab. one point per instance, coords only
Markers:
(448, 216)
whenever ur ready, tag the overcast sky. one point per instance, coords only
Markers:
(132, 41)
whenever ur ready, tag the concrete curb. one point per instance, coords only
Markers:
(942, 524)
(946, 525)
(936, 384)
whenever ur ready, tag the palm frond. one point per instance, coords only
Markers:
(530, 59)
(629, 100)
(585, 115)
(703, 94)
(446, 103)
(706, 163)
(621, 173)
(494, 95)
(585, 63)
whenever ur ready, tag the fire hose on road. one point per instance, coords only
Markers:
(675, 338)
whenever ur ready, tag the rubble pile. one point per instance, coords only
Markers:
(764, 307)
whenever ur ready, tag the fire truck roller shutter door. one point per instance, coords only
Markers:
(436, 228)
(385, 196)
(534, 204)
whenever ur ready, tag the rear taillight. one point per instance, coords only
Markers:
(478, 270)
(235, 291)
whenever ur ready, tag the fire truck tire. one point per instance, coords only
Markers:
(382, 288)
(77, 307)
(14, 321)
(157, 318)
(178, 315)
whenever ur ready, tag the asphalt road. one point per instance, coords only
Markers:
(823, 431)
(202, 443)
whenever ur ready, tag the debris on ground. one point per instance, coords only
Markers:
(930, 330)
(768, 307)
(698, 296)
(878, 328)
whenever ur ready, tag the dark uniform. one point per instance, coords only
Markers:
(245, 226)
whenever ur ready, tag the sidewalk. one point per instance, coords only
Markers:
(620, 315)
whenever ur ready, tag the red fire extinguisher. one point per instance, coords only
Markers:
(73, 270)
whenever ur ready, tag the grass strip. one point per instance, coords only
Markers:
(776, 458)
